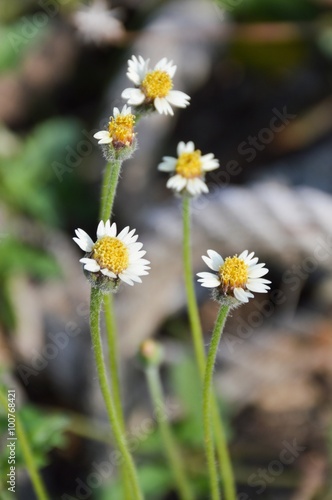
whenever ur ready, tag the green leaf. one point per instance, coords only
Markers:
(27, 182)
(16, 257)
(44, 432)
(155, 480)
(186, 381)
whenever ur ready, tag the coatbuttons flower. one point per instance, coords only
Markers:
(112, 258)
(119, 140)
(235, 278)
(153, 88)
(189, 169)
(96, 23)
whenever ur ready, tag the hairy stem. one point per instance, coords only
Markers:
(207, 401)
(119, 436)
(197, 334)
(171, 449)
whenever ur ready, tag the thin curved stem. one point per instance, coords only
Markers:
(113, 355)
(27, 453)
(207, 401)
(194, 319)
(171, 449)
(110, 182)
(196, 330)
(114, 373)
(95, 307)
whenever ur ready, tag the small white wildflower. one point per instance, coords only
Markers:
(112, 258)
(236, 277)
(154, 87)
(189, 168)
(98, 24)
(119, 139)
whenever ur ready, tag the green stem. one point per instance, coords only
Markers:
(191, 297)
(113, 355)
(27, 454)
(95, 307)
(196, 329)
(172, 452)
(207, 401)
(110, 182)
(114, 372)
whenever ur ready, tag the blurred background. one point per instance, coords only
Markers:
(259, 74)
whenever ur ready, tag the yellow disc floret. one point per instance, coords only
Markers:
(121, 129)
(233, 273)
(156, 84)
(111, 253)
(189, 165)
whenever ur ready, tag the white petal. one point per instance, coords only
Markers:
(125, 278)
(126, 110)
(208, 165)
(134, 96)
(162, 106)
(196, 186)
(124, 233)
(216, 259)
(257, 287)
(257, 272)
(240, 295)
(130, 238)
(176, 182)
(83, 240)
(101, 230)
(253, 262)
(210, 280)
(131, 276)
(165, 65)
(178, 98)
(111, 229)
(168, 164)
(189, 147)
(108, 273)
(90, 265)
(106, 140)
(259, 280)
(137, 69)
(101, 134)
(243, 255)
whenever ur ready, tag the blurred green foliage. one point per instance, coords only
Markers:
(271, 10)
(44, 431)
(26, 177)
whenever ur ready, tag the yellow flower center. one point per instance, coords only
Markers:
(156, 84)
(189, 165)
(111, 253)
(233, 273)
(121, 129)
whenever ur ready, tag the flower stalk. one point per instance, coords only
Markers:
(171, 449)
(113, 355)
(207, 401)
(197, 335)
(110, 182)
(119, 436)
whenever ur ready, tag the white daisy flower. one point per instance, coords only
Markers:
(112, 257)
(236, 276)
(189, 168)
(154, 87)
(120, 131)
(98, 24)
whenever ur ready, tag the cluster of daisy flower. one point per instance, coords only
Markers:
(113, 257)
